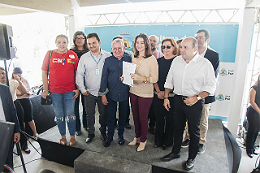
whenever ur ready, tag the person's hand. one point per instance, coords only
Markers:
(189, 101)
(104, 100)
(122, 78)
(86, 93)
(136, 76)
(45, 94)
(16, 77)
(160, 94)
(167, 104)
(16, 137)
(76, 91)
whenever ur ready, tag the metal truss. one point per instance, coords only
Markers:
(165, 17)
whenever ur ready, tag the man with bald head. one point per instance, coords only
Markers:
(154, 44)
(192, 78)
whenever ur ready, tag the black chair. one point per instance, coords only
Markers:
(6, 134)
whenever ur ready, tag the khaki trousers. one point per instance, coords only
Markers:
(203, 124)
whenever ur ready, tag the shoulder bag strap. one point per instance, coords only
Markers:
(49, 63)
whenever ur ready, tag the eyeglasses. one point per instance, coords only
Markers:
(168, 47)
(80, 38)
(199, 37)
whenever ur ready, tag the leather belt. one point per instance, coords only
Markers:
(182, 97)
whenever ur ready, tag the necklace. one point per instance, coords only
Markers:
(140, 61)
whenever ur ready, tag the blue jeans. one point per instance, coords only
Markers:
(63, 105)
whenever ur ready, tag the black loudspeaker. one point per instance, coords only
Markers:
(7, 51)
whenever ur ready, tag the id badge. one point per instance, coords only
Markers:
(97, 71)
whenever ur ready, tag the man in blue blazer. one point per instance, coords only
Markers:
(8, 113)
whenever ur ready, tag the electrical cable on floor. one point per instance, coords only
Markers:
(34, 138)
(27, 162)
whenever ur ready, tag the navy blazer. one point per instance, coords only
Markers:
(8, 107)
(213, 57)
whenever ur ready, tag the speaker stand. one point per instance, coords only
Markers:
(6, 74)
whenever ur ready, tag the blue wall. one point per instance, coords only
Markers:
(223, 38)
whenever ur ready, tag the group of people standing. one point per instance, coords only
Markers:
(176, 80)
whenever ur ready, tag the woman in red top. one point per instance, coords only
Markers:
(61, 86)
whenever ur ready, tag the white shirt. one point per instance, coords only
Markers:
(13, 85)
(89, 72)
(203, 53)
(190, 79)
(2, 114)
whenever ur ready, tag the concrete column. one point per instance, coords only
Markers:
(242, 55)
(74, 20)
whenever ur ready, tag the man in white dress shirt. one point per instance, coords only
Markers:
(192, 78)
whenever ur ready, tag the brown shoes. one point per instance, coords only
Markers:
(134, 141)
(72, 141)
(63, 141)
(141, 146)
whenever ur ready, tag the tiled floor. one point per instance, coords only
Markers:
(34, 162)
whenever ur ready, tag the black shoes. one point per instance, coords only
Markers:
(189, 164)
(185, 143)
(201, 148)
(127, 126)
(27, 150)
(108, 141)
(90, 137)
(103, 136)
(170, 157)
(121, 140)
(250, 155)
(78, 133)
(164, 147)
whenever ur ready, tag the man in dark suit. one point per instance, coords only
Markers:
(203, 38)
(8, 113)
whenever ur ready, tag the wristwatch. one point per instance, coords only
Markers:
(198, 97)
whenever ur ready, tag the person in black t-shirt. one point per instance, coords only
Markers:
(80, 47)
(164, 119)
(252, 114)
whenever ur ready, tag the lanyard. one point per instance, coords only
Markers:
(94, 58)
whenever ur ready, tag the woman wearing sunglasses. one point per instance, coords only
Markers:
(164, 118)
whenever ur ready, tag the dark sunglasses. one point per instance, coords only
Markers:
(168, 47)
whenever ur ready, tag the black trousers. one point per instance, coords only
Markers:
(84, 119)
(164, 122)
(253, 129)
(21, 119)
(90, 106)
(193, 115)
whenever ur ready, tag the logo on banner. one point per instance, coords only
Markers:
(221, 97)
(224, 72)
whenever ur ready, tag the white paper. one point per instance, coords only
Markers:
(127, 69)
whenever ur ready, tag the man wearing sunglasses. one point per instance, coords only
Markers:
(203, 38)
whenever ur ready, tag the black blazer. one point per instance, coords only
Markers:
(8, 106)
(213, 57)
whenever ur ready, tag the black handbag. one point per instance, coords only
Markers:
(48, 100)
